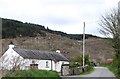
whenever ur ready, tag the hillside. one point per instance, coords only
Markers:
(14, 28)
(70, 45)
(97, 48)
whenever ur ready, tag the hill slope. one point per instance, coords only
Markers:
(70, 45)
(97, 48)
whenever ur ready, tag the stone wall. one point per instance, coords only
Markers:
(73, 71)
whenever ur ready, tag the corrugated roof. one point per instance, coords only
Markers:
(42, 55)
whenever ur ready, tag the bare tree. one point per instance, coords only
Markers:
(12, 64)
(16, 63)
(2, 61)
(2, 67)
(110, 24)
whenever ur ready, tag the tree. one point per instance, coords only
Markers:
(78, 60)
(110, 24)
(12, 64)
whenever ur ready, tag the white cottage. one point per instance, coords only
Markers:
(24, 59)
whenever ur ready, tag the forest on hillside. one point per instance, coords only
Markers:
(13, 28)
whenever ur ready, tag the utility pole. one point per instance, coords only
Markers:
(84, 44)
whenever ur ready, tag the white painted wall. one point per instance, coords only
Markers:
(42, 64)
(59, 65)
(9, 58)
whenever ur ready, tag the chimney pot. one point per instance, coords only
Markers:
(11, 45)
(58, 51)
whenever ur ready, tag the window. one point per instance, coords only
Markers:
(27, 67)
(34, 66)
(47, 66)
(33, 61)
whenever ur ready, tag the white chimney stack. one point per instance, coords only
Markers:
(58, 51)
(11, 45)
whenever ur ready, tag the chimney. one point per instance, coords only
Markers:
(58, 51)
(11, 45)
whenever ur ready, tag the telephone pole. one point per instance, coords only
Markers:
(84, 44)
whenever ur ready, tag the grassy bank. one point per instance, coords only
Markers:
(33, 73)
(112, 67)
(90, 70)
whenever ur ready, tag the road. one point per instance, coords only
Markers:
(98, 73)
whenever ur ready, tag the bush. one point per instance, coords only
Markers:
(89, 70)
(105, 64)
(78, 61)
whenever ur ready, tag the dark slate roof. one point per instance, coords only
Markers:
(42, 55)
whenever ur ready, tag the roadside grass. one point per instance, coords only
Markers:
(105, 64)
(33, 73)
(90, 70)
(115, 70)
(111, 67)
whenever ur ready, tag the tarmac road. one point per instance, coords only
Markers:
(100, 72)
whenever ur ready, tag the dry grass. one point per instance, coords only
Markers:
(96, 47)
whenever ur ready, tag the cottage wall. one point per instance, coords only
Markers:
(46, 65)
(58, 66)
(43, 64)
(9, 59)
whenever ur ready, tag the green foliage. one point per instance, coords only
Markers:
(116, 61)
(110, 24)
(112, 67)
(78, 60)
(90, 70)
(115, 66)
(33, 73)
(14, 28)
(105, 64)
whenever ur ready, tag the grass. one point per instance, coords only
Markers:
(115, 70)
(105, 64)
(90, 70)
(34, 73)
(111, 67)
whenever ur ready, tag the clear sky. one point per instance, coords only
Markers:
(62, 15)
